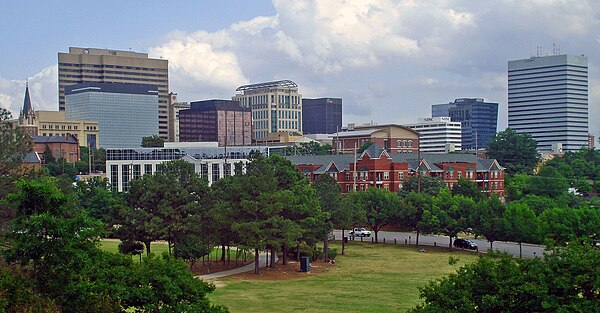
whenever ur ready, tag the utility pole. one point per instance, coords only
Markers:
(419, 163)
(355, 174)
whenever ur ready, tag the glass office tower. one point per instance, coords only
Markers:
(125, 112)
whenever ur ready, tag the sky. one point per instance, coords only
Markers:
(388, 60)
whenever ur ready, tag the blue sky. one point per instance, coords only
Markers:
(35, 31)
(388, 59)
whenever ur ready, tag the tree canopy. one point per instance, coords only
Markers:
(153, 141)
(517, 152)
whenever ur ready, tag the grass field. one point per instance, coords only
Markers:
(157, 248)
(369, 278)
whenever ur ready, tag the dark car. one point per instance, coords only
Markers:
(465, 244)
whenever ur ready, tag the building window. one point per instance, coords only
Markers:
(410, 143)
(204, 170)
(216, 172)
(125, 177)
(459, 175)
(386, 186)
(386, 175)
(114, 177)
(347, 176)
(147, 168)
(398, 143)
(400, 175)
(137, 171)
(347, 187)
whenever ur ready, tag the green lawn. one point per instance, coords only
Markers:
(157, 248)
(369, 278)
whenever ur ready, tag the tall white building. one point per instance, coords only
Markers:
(276, 107)
(548, 98)
(438, 134)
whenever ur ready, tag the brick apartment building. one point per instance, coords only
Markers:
(394, 138)
(376, 168)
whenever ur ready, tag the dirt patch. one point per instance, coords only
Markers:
(200, 269)
(283, 272)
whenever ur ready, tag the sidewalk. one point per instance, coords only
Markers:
(262, 259)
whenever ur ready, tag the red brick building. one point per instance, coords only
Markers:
(394, 138)
(61, 147)
(376, 168)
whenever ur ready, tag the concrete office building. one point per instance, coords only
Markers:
(438, 134)
(82, 65)
(478, 120)
(125, 112)
(276, 106)
(174, 108)
(210, 161)
(223, 121)
(322, 115)
(548, 98)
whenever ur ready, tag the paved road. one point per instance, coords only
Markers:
(529, 251)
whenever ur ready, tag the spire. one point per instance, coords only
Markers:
(27, 108)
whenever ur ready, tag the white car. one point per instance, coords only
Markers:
(360, 232)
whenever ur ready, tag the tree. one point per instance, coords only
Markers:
(564, 281)
(548, 182)
(468, 189)
(97, 200)
(381, 208)
(522, 225)
(487, 220)
(448, 215)
(412, 212)
(364, 146)
(517, 152)
(429, 185)
(153, 141)
(14, 146)
(165, 205)
(330, 198)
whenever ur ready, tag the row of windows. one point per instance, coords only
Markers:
(164, 81)
(112, 72)
(151, 69)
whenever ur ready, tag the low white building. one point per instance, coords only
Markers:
(438, 134)
(210, 161)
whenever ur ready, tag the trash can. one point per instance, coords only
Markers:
(345, 239)
(305, 264)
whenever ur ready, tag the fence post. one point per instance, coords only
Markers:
(435, 244)
(394, 240)
(372, 239)
(405, 241)
(361, 238)
(383, 239)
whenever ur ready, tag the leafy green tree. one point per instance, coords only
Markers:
(521, 225)
(412, 212)
(330, 198)
(448, 215)
(98, 201)
(560, 226)
(467, 188)
(487, 220)
(153, 141)
(364, 146)
(166, 205)
(192, 248)
(539, 203)
(517, 152)
(564, 281)
(515, 186)
(381, 208)
(14, 146)
(548, 182)
(429, 185)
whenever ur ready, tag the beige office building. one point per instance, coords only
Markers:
(276, 107)
(53, 123)
(82, 65)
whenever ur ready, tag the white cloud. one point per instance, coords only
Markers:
(43, 90)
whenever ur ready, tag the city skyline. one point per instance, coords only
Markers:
(328, 48)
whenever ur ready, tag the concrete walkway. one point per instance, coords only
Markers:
(262, 259)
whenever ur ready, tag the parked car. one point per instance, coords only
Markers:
(360, 232)
(465, 244)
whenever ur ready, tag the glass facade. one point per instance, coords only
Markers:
(322, 116)
(478, 119)
(125, 112)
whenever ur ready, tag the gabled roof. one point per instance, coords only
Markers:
(374, 151)
(32, 157)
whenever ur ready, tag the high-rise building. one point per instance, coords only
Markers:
(125, 112)
(548, 98)
(89, 65)
(174, 108)
(478, 120)
(276, 106)
(322, 115)
(223, 121)
(438, 134)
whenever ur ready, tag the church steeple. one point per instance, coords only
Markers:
(27, 116)
(27, 108)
